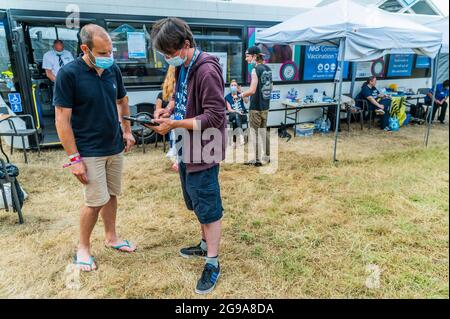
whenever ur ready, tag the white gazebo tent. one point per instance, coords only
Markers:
(442, 26)
(439, 70)
(363, 33)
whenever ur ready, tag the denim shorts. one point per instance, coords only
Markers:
(201, 191)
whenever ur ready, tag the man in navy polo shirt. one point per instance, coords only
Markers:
(441, 97)
(90, 98)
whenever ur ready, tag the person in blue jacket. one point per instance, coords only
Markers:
(441, 97)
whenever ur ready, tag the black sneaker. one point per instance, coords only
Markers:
(195, 251)
(253, 163)
(208, 280)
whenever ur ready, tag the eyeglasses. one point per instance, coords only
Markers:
(168, 56)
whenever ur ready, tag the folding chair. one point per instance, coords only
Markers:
(22, 133)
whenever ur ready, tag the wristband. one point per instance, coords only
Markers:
(74, 159)
(73, 162)
(74, 155)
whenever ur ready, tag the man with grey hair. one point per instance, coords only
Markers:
(90, 100)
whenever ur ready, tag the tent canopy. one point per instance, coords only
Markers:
(442, 26)
(368, 32)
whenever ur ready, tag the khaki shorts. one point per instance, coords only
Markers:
(104, 179)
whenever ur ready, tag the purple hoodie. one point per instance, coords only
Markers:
(206, 103)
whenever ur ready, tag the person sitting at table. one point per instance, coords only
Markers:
(380, 103)
(236, 109)
(440, 100)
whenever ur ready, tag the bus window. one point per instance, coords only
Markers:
(133, 53)
(6, 74)
(141, 65)
(41, 41)
(226, 44)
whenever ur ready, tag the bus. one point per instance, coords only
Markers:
(222, 28)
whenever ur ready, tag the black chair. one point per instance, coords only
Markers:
(364, 105)
(425, 91)
(140, 132)
(8, 174)
(149, 108)
(353, 113)
(22, 133)
(145, 108)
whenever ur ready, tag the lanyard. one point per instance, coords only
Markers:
(183, 84)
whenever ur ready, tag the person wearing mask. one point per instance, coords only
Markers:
(378, 103)
(236, 109)
(199, 108)
(165, 99)
(55, 59)
(260, 92)
(90, 98)
(440, 101)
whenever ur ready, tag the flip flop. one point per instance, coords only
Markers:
(90, 263)
(125, 243)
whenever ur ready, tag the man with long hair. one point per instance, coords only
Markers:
(199, 106)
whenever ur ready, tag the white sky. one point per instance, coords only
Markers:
(443, 5)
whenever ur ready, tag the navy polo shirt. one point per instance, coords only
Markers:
(92, 98)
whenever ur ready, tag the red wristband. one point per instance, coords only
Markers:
(75, 159)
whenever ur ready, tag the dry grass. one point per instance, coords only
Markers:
(308, 231)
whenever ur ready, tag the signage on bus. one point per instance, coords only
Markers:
(15, 101)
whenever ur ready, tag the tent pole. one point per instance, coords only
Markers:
(429, 117)
(354, 71)
(338, 106)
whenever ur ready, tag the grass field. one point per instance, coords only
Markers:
(312, 230)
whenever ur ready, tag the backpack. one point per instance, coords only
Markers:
(283, 133)
(13, 171)
(394, 124)
(418, 111)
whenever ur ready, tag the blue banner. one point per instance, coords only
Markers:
(400, 65)
(321, 63)
(423, 62)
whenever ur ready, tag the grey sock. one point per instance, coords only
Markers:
(203, 245)
(213, 261)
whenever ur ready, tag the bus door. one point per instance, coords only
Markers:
(14, 75)
(7, 78)
(40, 38)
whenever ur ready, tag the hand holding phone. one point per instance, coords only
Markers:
(141, 120)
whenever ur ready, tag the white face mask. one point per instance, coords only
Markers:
(176, 61)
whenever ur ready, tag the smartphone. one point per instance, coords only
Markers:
(140, 120)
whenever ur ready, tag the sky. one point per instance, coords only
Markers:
(443, 5)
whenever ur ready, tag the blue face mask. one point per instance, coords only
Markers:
(176, 61)
(233, 89)
(102, 62)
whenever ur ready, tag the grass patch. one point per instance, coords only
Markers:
(311, 230)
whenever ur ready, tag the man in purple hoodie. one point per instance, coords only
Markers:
(199, 118)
